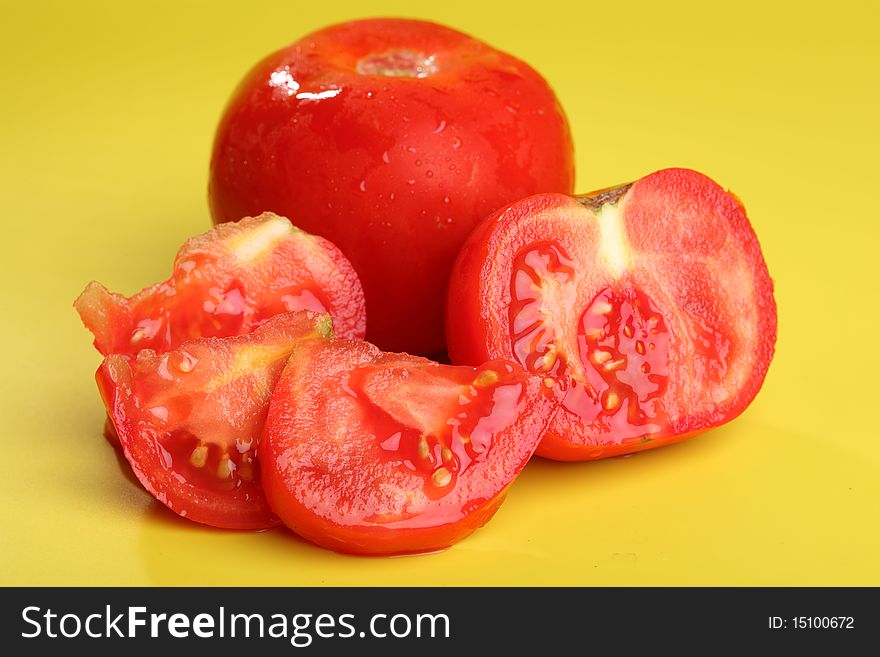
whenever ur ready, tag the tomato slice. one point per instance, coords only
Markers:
(226, 282)
(189, 420)
(375, 453)
(650, 303)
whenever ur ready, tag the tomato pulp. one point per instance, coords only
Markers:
(392, 138)
(378, 453)
(189, 420)
(651, 303)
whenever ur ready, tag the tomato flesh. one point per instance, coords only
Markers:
(227, 282)
(189, 420)
(650, 303)
(375, 453)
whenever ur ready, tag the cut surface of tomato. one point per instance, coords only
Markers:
(377, 453)
(227, 282)
(650, 303)
(189, 420)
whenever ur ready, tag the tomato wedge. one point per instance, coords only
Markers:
(189, 420)
(226, 282)
(376, 453)
(650, 303)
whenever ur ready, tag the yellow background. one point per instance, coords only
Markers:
(106, 120)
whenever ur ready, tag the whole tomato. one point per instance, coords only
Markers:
(391, 138)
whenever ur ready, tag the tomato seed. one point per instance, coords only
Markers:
(225, 468)
(199, 456)
(612, 401)
(441, 477)
(486, 378)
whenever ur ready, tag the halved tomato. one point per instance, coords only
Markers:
(376, 453)
(650, 303)
(226, 282)
(189, 420)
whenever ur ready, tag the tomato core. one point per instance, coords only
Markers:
(401, 63)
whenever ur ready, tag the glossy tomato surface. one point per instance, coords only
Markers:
(189, 420)
(378, 453)
(391, 138)
(650, 303)
(227, 282)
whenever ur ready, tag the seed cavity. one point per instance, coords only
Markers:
(625, 368)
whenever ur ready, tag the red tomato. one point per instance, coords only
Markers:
(650, 302)
(392, 138)
(227, 282)
(189, 420)
(377, 453)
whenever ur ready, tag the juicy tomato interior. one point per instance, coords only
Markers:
(189, 420)
(227, 282)
(376, 453)
(650, 303)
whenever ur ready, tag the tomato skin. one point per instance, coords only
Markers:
(210, 394)
(225, 282)
(330, 474)
(395, 170)
(687, 250)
